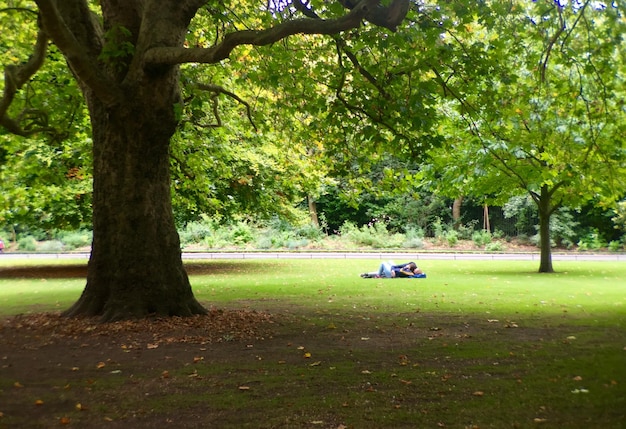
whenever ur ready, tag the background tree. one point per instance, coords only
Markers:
(46, 172)
(543, 110)
(125, 58)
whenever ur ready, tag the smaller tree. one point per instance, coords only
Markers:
(546, 119)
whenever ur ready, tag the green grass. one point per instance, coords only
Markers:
(492, 288)
(477, 344)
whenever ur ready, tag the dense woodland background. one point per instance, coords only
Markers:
(467, 107)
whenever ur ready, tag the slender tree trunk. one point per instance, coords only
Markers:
(486, 223)
(456, 212)
(135, 268)
(545, 211)
(313, 211)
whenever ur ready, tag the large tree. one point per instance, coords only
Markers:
(126, 57)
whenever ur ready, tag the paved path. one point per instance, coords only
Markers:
(570, 256)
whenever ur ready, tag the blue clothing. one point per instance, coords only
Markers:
(389, 270)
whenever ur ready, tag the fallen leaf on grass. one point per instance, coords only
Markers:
(209, 328)
(18, 384)
(317, 363)
(244, 387)
(64, 420)
(478, 393)
(38, 402)
(101, 365)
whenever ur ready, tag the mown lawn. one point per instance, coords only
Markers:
(477, 344)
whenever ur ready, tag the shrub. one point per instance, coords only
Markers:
(195, 232)
(74, 239)
(592, 240)
(264, 242)
(494, 246)
(452, 237)
(413, 243)
(52, 246)
(27, 244)
(296, 243)
(242, 233)
(481, 238)
(465, 231)
(310, 232)
(438, 229)
(615, 246)
(373, 235)
(563, 228)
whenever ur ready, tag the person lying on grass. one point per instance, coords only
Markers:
(389, 270)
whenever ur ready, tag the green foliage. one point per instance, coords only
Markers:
(74, 239)
(241, 233)
(592, 240)
(494, 246)
(452, 237)
(414, 238)
(564, 228)
(118, 50)
(619, 220)
(466, 230)
(616, 246)
(27, 244)
(481, 238)
(375, 235)
(51, 246)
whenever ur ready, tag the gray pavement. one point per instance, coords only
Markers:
(557, 256)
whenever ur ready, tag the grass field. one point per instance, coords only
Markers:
(477, 344)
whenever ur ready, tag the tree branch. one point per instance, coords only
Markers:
(82, 64)
(14, 78)
(362, 70)
(221, 51)
(221, 90)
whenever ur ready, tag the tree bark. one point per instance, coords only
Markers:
(456, 212)
(135, 267)
(545, 211)
(313, 211)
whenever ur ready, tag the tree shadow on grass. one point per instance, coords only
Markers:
(70, 271)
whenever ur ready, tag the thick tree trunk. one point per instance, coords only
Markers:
(545, 211)
(135, 269)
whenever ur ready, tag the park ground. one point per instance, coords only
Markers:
(241, 366)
